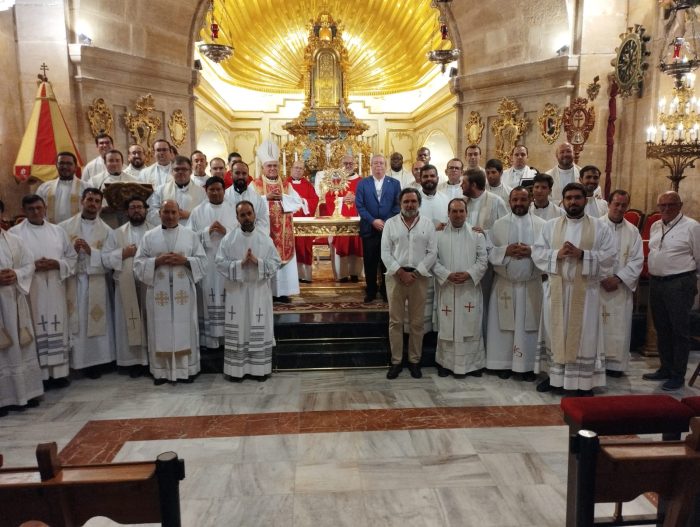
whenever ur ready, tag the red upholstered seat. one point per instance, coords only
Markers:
(627, 414)
(646, 231)
(693, 403)
(635, 217)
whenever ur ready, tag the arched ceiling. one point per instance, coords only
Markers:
(387, 42)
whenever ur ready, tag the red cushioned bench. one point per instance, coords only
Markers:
(693, 403)
(619, 415)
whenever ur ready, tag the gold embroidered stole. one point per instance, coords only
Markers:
(566, 335)
(281, 223)
(51, 199)
(129, 293)
(23, 316)
(97, 287)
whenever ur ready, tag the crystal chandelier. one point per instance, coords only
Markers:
(213, 51)
(443, 56)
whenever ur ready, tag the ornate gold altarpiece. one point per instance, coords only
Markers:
(326, 129)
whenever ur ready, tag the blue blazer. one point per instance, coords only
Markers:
(370, 208)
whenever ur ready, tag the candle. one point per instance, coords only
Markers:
(284, 163)
(662, 105)
(679, 131)
(651, 133)
(694, 132)
(664, 133)
(296, 157)
(328, 154)
(359, 164)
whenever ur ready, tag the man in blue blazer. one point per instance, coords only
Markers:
(377, 200)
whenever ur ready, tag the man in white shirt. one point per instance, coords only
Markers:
(452, 187)
(136, 156)
(62, 195)
(518, 170)
(674, 265)
(199, 168)
(617, 289)
(104, 144)
(494, 180)
(180, 188)
(590, 179)
(409, 250)
(398, 171)
(541, 205)
(157, 174)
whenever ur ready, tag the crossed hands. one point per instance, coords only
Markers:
(171, 259)
(569, 250)
(80, 244)
(46, 264)
(217, 227)
(250, 258)
(518, 251)
(458, 278)
(8, 277)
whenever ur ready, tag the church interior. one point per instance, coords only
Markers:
(328, 440)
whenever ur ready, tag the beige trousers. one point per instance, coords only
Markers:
(398, 295)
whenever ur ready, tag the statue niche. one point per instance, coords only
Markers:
(327, 79)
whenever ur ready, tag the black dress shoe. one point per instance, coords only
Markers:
(354, 279)
(673, 384)
(344, 280)
(63, 382)
(189, 380)
(529, 376)
(475, 373)
(285, 299)
(261, 378)
(460, 375)
(159, 382)
(231, 378)
(3, 412)
(442, 372)
(615, 374)
(585, 393)
(135, 371)
(544, 386)
(504, 374)
(369, 299)
(658, 375)
(415, 370)
(93, 372)
(394, 371)
(33, 403)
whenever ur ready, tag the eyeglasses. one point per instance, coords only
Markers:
(663, 206)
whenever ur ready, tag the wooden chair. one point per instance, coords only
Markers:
(621, 471)
(146, 492)
(635, 217)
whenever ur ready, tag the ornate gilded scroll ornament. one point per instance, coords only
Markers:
(508, 128)
(474, 129)
(579, 120)
(177, 125)
(593, 88)
(143, 127)
(99, 117)
(550, 123)
(630, 60)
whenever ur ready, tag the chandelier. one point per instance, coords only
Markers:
(675, 139)
(213, 51)
(443, 56)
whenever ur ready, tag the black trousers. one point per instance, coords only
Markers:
(372, 259)
(671, 302)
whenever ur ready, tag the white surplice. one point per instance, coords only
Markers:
(20, 374)
(516, 296)
(210, 290)
(93, 168)
(262, 212)
(171, 301)
(90, 350)
(502, 191)
(449, 190)
(62, 198)
(547, 213)
(128, 318)
(596, 207)
(48, 294)
(460, 345)
(187, 198)
(616, 306)
(249, 324)
(513, 177)
(155, 174)
(434, 207)
(588, 371)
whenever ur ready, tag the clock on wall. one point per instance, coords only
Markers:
(630, 60)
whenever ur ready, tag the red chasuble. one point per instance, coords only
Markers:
(304, 245)
(281, 227)
(345, 245)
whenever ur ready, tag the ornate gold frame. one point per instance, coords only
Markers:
(550, 123)
(508, 128)
(177, 126)
(579, 120)
(474, 129)
(100, 117)
(142, 126)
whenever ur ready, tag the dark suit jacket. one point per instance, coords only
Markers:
(370, 208)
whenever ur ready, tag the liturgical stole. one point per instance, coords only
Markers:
(173, 303)
(129, 294)
(74, 198)
(23, 316)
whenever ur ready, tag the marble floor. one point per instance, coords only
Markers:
(329, 447)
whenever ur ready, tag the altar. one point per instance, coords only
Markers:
(326, 226)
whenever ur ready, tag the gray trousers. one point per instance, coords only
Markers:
(671, 301)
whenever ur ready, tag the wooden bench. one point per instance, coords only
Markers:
(145, 492)
(621, 471)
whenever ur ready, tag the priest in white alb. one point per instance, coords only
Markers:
(170, 260)
(247, 260)
(129, 293)
(461, 263)
(516, 296)
(212, 220)
(617, 289)
(20, 374)
(62, 195)
(241, 191)
(180, 188)
(54, 261)
(576, 251)
(158, 173)
(590, 178)
(89, 292)
(542, 205)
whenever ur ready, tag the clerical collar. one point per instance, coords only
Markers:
(166, 227)
(87, 219)
(66, 180)
(616, 222)
(576, 219)
(565, 169)
(454, 184)
(538, 207)
(185, 185)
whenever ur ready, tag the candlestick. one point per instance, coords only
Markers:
(359, 164)
(284, 163)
